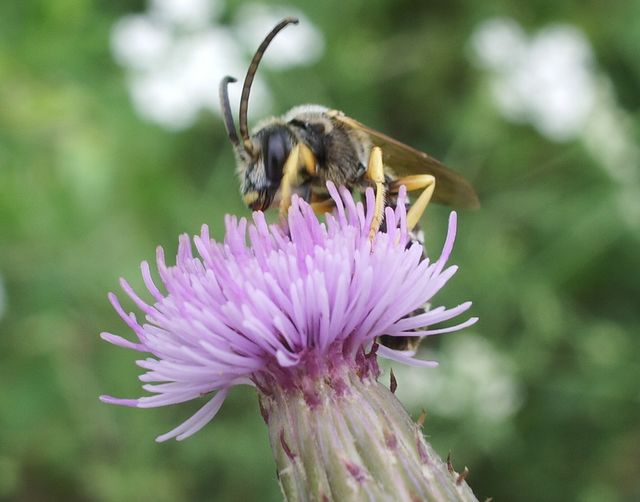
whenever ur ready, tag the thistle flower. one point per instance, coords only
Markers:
(296, 313)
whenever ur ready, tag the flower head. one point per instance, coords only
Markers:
(291, 304)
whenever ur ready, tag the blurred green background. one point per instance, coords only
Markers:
(540, 399)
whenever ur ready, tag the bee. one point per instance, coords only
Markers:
(311, 144)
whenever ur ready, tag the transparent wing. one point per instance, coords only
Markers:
(451, 188)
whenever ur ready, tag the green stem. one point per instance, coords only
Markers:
(354, 444)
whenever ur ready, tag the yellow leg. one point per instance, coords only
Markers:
(308, 159)
(289, 178)
(300, 157)
(323, 206)
(375, 172)
(424, 182)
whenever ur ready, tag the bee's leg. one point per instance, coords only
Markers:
(424, 182)
(308, 159)
(289, 176)
(323, 206)
(375, 173)
(300, 157)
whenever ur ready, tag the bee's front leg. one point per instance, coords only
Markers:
(301, 158)
(321, 207)
(424, 182)
(375, 173)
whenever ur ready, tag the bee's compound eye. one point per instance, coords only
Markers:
(277, 152)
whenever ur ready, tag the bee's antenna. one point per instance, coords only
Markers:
(226, 111)
(248, 80)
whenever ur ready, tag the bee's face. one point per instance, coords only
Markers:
(262, 174)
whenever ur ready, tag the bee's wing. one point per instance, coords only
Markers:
(451, 188)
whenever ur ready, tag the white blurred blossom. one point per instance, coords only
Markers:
(296, 46)
(139, 42)
(551, 80)
(176, 53)
(185, 13)
(547, 79)
(474, 381)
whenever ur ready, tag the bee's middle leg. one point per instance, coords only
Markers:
(375, 173)
(424, 182)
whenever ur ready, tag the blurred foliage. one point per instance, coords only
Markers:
(87, 190)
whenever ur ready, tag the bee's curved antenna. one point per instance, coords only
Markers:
(226, 111)
(248, 80)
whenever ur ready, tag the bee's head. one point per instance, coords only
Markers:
(262, 174)
(261, 157)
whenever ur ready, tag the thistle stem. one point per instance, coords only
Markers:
(353, 441)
